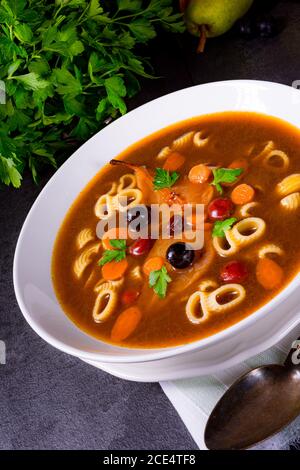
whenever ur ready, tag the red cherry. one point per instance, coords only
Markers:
(129, 296)
(220, 208)
(141, 246)
(234, 271)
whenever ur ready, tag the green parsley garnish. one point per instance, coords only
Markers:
(117, 254)
(164, 179)
(159, 281)
(221, 226)
(225, 175)
(69, 66)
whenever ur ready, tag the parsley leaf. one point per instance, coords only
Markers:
(221, 226)
(159, 281)
(114, 255)
(118, 244)
(225, 175)
(67, 66)
(164, 179)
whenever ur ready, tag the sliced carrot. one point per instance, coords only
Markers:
(113, 234)
(242, 194)
(114, 270)
(129, 296)
(153, 264)
(199, 173)
(239, 163)
(126, 323)
(174, 161)
(269, 274)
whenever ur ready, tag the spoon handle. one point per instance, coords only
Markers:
(293, 357)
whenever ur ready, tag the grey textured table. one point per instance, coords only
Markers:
(53, 401)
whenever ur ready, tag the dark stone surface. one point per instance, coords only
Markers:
(53, 401)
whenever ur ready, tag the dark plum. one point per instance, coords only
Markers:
(180, 256)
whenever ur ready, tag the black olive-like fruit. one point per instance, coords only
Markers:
(179, 255)
(141, 212)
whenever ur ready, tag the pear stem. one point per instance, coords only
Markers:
(202, 40)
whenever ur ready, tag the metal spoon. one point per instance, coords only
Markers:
(257, 405)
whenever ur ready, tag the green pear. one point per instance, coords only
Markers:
(216, 16)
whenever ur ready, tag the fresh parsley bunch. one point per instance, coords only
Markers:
(67, 66)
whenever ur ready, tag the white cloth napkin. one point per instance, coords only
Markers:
(195, 398)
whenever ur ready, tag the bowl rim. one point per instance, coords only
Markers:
(144, 354)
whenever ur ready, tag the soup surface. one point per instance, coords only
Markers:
(244, 170)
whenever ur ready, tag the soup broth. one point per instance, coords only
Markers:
(244, 168)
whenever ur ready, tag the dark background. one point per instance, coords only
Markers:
(51, 400)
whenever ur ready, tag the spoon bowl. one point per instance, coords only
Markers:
(256, 406)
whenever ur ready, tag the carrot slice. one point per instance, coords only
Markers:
(199, 173)
(153, 264)
(242, 194)
(239, 163)
(114, 270)
(269, 274)
(126, 323)
(174, 161)
(113, 234)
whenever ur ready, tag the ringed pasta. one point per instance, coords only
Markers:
(127, 181)
(270, 249)
(106, 300)
(288, 185)
(108, 203)
(236, 237)
(84, 237)
(244, 210)
(105, 206)
(207, 285)
(199, 140)
(283, 159)
(291, 202)
(135, 197)
(269, 146)
(84, 259)
(209, 302)
(182, 140)
(164, 153)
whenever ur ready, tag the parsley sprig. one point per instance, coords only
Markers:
(164, 179)
(225, 175)
(117, 254)
(221, 226)
(159, 281)
(67, 67)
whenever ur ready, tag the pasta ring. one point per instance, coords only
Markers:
(84, 259)
(236, 239)
(276, 153)
(291, 202)
(288, 185)
(198, 140)
(244, 210)
(209, 302)
(270, 249)
(182, 140)
(84, 237)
